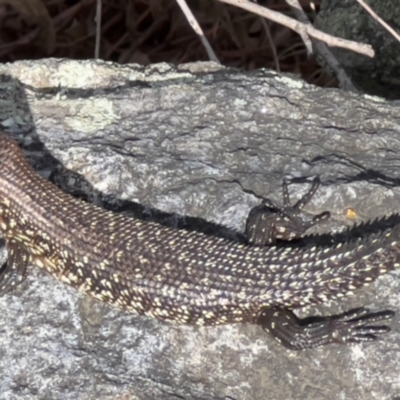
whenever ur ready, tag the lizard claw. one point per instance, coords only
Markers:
(354, 326)
(268, 222)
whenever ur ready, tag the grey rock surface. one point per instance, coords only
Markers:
(207, 143)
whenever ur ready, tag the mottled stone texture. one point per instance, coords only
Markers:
(207, 143)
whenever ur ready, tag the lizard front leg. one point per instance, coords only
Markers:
(14, 271)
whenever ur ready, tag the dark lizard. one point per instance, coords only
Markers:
(189, 277)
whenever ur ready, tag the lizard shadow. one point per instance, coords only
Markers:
(132, 209)
(17, 121)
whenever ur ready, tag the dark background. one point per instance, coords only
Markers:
(152, 31)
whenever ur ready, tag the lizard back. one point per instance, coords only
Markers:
(172, 274)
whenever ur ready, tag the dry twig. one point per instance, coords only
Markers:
(196, 27)
(379, 19)
(272, 44)
(302, 17)
(98, 29)
(323, 50)
(299, 27)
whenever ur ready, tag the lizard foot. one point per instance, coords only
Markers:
(355, 326)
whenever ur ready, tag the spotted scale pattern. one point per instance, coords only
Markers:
(174, 275)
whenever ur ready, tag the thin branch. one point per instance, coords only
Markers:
(98, 30)
(302, 17)
(323, 50)
(272, 44)
(196, 27)
(298, 27)
(379, 19)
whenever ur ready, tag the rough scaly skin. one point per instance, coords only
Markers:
(169, 274)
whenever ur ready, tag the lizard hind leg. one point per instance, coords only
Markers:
(14, 271)
(355, 326)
